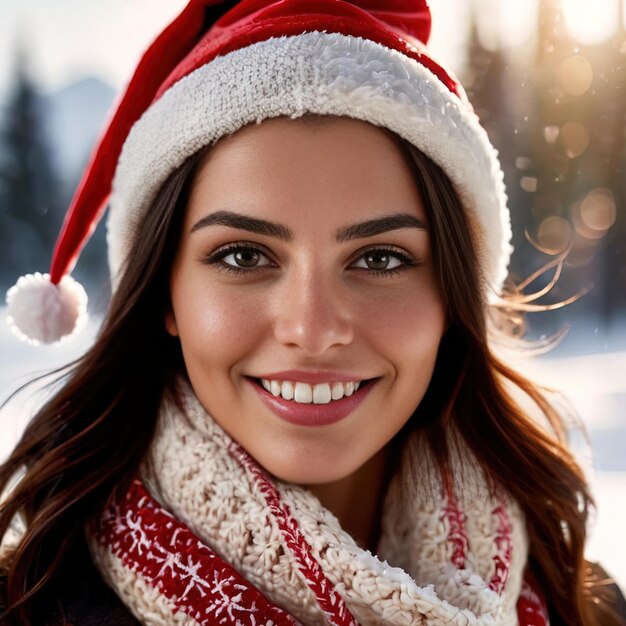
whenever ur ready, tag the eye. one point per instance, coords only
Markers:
(383, 260)
(238, 258)
(245, 257)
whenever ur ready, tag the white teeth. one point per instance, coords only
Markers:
(337, 391)
(304, 393)
(321, 394)
(287, 391)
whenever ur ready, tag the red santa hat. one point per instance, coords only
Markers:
(221, 65)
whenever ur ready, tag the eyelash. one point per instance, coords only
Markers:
(218, 257)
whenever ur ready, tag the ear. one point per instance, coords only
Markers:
(170, 323)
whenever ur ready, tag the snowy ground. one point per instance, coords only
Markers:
(595, 382)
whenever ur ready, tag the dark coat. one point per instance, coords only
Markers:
(81, 598)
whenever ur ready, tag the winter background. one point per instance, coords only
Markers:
(548, 79)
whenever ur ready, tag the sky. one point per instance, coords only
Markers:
(68, 39)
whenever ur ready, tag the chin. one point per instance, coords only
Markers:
(309, 473)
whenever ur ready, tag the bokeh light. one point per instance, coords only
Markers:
(528, 183)
(554, 235)
(598, 211)
(591, 23)
(505, 23)
(574, 75)
(551, 133)
(575, 139)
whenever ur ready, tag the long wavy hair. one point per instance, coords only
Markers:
(88, 440)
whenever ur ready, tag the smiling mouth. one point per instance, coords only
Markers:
(304, 393)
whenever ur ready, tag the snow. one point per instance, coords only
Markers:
(20, 363)
(595, 382)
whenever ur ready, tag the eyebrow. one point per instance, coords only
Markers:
(379, 225)
(362, 230)
(243, 222)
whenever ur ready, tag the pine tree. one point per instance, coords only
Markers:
(583, 161)
(559, 142)
(499, 91)
(29, 192)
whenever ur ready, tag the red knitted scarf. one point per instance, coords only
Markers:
(198, 582)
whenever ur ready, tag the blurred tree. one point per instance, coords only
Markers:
(501, 92)
(559, 123)
(30, 206)
(578, 147)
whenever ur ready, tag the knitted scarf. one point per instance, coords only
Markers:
(205, 536)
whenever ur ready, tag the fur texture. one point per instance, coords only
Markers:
(326, 74)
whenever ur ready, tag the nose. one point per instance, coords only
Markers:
(313, 313)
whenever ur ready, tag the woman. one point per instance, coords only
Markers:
(292, 413)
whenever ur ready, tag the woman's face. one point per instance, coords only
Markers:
(305, 267)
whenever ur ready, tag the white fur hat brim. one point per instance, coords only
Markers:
(325, 74)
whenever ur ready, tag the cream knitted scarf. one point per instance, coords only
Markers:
(207, 537)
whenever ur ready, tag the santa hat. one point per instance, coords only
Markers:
(221, 65)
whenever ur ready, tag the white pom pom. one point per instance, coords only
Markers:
(40, 312)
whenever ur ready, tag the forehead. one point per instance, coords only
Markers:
(330, 166)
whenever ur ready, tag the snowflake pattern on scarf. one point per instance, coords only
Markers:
(201, 584)
(171, 558)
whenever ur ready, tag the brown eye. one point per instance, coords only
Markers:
(382, 260)
(243, 257)
(377, 260)
(246, 258)
(238, 258)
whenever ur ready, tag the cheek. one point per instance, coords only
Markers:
(215, 326)
(406, 326)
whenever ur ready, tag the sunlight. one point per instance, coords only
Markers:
(519, 21)
(506, 23)
(591, 23)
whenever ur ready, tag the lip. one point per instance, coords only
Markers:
(312, 414)
(315, 377)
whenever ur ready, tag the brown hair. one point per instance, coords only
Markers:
(89, 439)
(469, 389)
